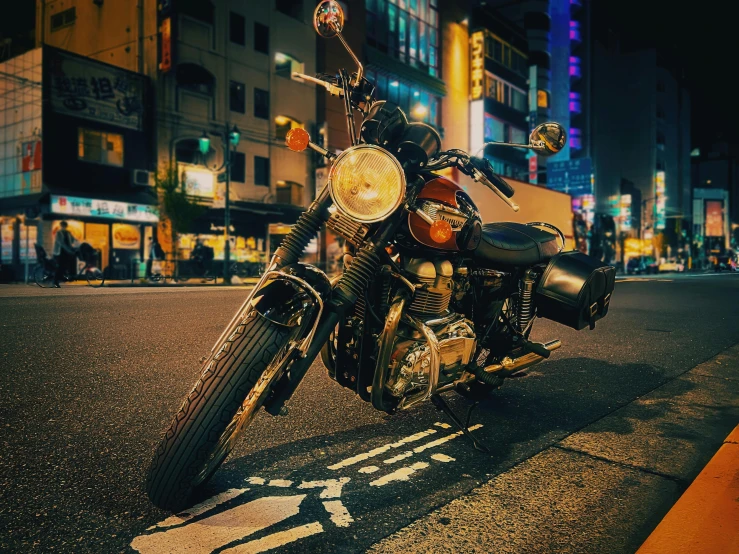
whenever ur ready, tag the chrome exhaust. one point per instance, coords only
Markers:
(508, 366)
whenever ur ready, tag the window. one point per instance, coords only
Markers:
(261, 171)
(406, 30)
(237, 29)
(575, 138)
(542, 99)
(195, 88)
(288, 192)
(575, 103)
(202, 10)
(63, 19)
(286, 65)
(237, 97)
(660, 165)
(575, 66)
(518, 100)
(660, 140)
(575, 31)
(293, 8)
(518, 136)
(261, 103)
(238, 167)
(494, 130)
(283, 124)
(417, 103)
(100, 147)
(261, 38)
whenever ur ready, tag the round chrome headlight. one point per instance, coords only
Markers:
(367, 183)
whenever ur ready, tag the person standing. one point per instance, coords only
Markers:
(64, 252)
(155, 253)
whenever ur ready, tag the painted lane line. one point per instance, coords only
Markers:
(402, 474)
(443, 425)
(276, 539)
(442, 458)
(198, 509)
(403, 456)
(205, 535)
(339, 514)
(369, 469)
(332, 487)
(381, 449)
(442, 440)
(282, 483)
(255, 481)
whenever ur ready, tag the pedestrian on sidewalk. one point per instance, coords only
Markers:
(65, 253)
(156, 252)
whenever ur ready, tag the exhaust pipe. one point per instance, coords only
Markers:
(508, 366)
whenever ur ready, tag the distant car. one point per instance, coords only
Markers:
(671, 265)
(641, 264)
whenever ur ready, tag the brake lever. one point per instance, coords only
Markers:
(480, 177)
(331, 88)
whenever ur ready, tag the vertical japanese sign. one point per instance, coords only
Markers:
(714, 218)
(93, 90)
(166, 34)
(625, 212)
(477, 65)
(660, 201)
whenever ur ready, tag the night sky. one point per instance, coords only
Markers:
(703, 38)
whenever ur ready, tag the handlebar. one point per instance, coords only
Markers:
(332, 86)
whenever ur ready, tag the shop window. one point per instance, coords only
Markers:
(237, 28)
(237, 97)
(238, 167)
(286, 65)
(283, 124)
(261, 103)
(261, 171)
(63, 19)
(261, 38)
(100, 147)
(288, 192)
(293, 8)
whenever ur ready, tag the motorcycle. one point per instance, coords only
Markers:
(430, 301)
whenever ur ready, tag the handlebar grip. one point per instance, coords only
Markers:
(504, 187)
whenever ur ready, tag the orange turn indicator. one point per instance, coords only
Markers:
(441, 231)
(297, 139)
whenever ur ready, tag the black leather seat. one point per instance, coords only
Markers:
(514, 244)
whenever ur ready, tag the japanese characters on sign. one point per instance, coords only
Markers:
(165, 60)
(625, 212)
(660, 200)
(477, 64)
(108, 209)
(96, 91)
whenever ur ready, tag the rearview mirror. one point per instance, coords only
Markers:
(328, 19)
(548, 138)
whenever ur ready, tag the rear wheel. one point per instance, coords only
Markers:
(232, 387)
(95, 277)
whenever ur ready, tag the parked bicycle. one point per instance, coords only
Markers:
(43, 273)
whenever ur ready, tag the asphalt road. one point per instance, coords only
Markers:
(90, 378)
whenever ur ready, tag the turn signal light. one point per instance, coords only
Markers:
(441, 231)
(297, 139)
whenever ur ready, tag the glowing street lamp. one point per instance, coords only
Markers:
(204, 143)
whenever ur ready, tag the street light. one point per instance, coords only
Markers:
(231, 139)
(204, 143)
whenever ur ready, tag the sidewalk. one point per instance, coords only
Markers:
(706, 518)
(606, 487)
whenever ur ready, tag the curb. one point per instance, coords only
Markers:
(705, 519)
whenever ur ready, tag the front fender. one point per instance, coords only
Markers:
(293, 296)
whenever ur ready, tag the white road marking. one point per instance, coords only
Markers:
(442, 458)
(255, 481)
(442, 440)
(381, 449)
(443, 425)
(204, 536)
(403, 456)
(402, 474)
(282, 483)
(369, 469)
(276, 539)
(198, 509)
(339, 514)
(332, 486)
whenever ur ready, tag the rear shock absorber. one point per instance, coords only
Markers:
(526, 299)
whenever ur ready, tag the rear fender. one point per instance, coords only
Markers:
(294, 297)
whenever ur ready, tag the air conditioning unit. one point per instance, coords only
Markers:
(142, 178)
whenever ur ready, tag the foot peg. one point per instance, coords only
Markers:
(536, 348)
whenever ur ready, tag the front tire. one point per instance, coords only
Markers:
(235, 382)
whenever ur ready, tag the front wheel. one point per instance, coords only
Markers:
(232, 387)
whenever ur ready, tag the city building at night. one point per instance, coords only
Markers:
(211, 67)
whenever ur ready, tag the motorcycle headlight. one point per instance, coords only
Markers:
(367, 183)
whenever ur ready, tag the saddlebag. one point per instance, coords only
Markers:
(575, 290)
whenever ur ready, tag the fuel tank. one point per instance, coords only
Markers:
(443, 199)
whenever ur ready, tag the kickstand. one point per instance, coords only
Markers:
(440, 404)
